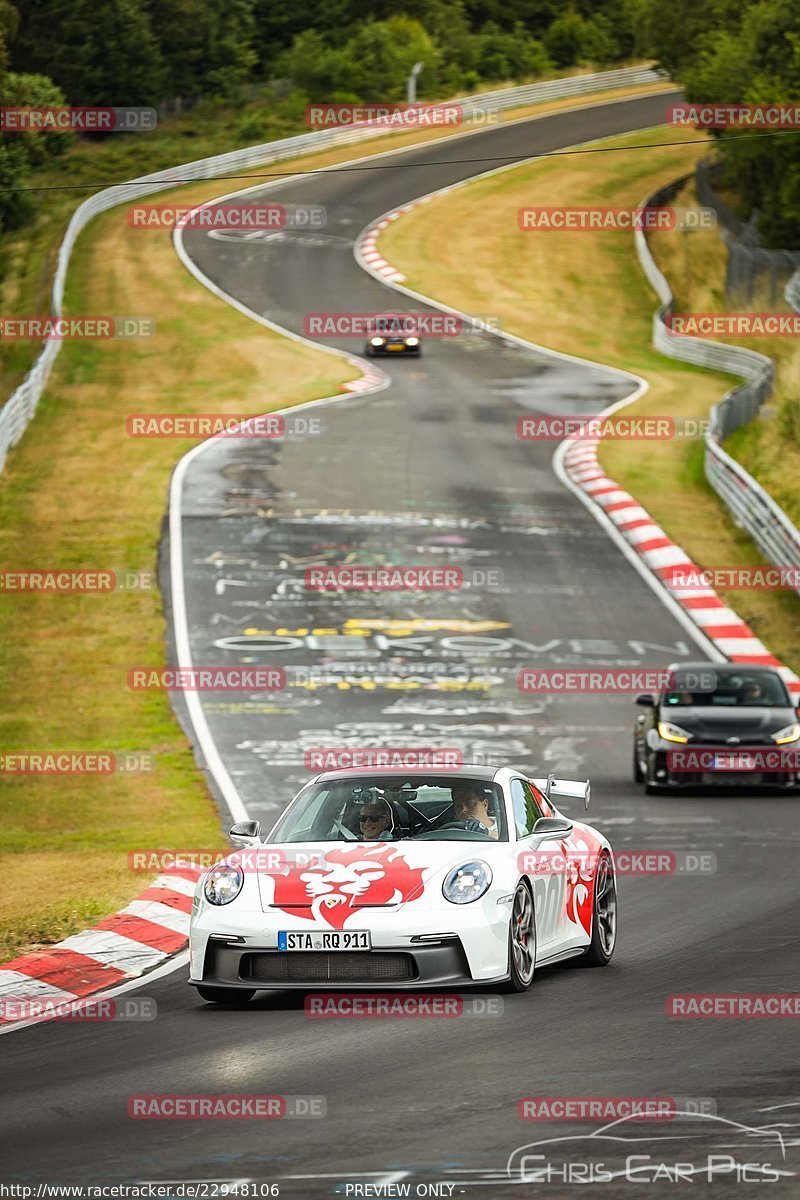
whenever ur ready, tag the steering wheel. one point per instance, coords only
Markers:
(471, 825)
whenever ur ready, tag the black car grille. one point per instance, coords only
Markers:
(315, 967)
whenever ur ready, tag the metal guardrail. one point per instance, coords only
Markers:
(19, 410)
(751, 269)
(751, 506)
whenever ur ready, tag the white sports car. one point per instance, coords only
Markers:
(408, 879)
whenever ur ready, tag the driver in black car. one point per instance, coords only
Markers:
(471, 804)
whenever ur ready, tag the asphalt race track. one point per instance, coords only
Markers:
(429, 471)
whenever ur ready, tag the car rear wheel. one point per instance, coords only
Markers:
(604, 916)
(521, 941)
(227, 997)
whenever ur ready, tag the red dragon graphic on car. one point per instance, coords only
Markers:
(580, 875)
(344, 881)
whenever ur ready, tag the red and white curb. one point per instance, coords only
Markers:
(139, 937)
(719, 624)
(366, 247)
(369, 380)
(661, 555)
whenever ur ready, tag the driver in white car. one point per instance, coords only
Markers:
(471, 804)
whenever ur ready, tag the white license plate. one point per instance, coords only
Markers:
(324, 940)
(734, 762)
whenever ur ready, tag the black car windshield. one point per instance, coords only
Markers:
(744, 689)
(389, 808)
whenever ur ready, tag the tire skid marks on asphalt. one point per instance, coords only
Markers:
(141, 936)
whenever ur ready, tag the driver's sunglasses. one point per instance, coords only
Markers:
(369, 817)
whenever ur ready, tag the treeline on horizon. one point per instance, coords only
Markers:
(288, 52)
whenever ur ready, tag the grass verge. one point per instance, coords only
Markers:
(585, 294)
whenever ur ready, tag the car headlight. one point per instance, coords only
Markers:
(376, 341)
(412, 341)
(789, 733)
(467, 883)
(223, 883)
(672, 733)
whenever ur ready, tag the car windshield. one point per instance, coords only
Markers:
(389, 808)
(744, 689)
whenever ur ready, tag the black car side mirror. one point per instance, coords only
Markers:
(645, 700)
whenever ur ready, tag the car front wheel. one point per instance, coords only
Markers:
(638, 773)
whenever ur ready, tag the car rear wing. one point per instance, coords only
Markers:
(565, 789)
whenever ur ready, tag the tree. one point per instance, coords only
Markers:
(564, 39)
(99, 52)
(206, 45)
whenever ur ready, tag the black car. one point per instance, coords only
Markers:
(393, 335)
(719, 724)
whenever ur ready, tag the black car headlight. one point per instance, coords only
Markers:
(789, 733)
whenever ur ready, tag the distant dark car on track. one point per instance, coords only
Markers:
(393, 335)
(719, 724)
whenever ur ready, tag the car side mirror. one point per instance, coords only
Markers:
(246, 833)
(645, 700)
(552, 827)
